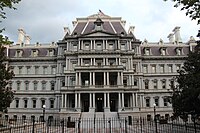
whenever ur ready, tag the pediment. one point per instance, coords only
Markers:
(98, 33)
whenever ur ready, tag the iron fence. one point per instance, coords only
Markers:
(97, 125)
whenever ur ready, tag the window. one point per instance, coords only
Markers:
(178, 67)
(124, 64)
(153, 68)
(147, 102)
(51, 52)
(163, 82)
(161, 68)
(155, 84)
(110, 46)
(134, 67)
(20, 70)
(171, 83)
(178, 51)
(170, 69)
(18, 53)
(26, 85)
(43, 85)
(18, 85)
(165, 101)
(125, 82)
(34, 53)
(156, 101)
(34, 103)
(52, 86)
(53, 70)
(45, 70)
(17, 103)
(147, 51)
(145, 69)
(135, 82)
(42, 103)
(123, 46)
(163, 51)
(35, 84)
(98, 46)
(51, 103)
(28, 70)
(36, 69)
(25, 103)
(146, 84)
(63, 82)
(87, 46)
(75, 47)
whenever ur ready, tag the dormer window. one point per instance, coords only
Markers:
(163, 51)
(34, 53)
(123, 46)
(51, 52)
(146, 51)
(178, 51)
(18, 53)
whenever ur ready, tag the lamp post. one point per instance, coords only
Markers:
(155, 118)
(43, 107)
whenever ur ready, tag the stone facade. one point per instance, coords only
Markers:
(98, 67)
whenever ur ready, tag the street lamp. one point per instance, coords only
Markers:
(155, 118)
(43, 107)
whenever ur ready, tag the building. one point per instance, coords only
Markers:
(97, 69)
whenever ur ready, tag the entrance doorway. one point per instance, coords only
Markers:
(99, 102)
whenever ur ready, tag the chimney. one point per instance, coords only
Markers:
(177, 34)
(21, 34)
(171, 37)
(27, 39)
(131, 29)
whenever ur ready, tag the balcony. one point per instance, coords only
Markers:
(99, 67)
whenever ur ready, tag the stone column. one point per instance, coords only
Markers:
(76, 101)
(105, 100)
(91, 47)
(76, 78)
(119, 101)
(65, 101)
(90, 78)
(104, 61)
(108, 100)
(118, 79)
(136, 100)
(108, 81)
(122, 99)
(122, 78)
(93, 78)
(79, 100)
(90, 100)
(133, 100)
(93, 100)
(63, 98)
(79, 79)
(104, 79)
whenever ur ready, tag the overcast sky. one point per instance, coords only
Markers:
(44, 20)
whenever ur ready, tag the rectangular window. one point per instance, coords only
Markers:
(155, 84)
(125, 82)
(110, 46)
(170, 70)
(43, 86)
(34, 53)
(26, 86)
(18, 53)
(171, 84)
(44, 70)
(25, 103)
(52, 86)
(87, 46)
(165, 100)
(153, 69)
(163, 84)
(145, 69)
(51, 104)
(18, 86)
(53, 70)
(161, 68)
(178, 67)
(147, 102)
(17, 103)
(156, 101)
(35, 86)
(123, 46)
(51, 52)
(20, 70)
(147, 51)
(42, 103)
(146, 84)
(75, 47)
(28, 70)
(34, 103)
(163, 52)
(36, 70)
(98, 46)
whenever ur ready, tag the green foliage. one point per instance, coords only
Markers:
(6, 95)
(192, 8)
(186, 95)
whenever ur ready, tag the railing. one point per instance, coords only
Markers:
(98, 125)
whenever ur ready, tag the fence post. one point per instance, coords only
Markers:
(125, 125)
(62, 125)
(140, 124)
(195, 128)
(109, 122)
(79, 122)
(33, 125)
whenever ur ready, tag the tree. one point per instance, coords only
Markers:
(186, 95)
(6, 93)
(192, 8)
